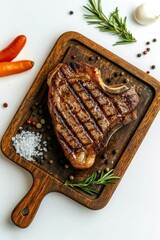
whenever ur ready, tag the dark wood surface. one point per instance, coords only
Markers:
(49, 175)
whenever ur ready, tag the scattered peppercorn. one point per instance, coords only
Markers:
(51, 162)
(106, 162)
(154, 40)
(73, 56)
(66, 166)
(28, 121)
(5, 105)
(148, 49)
(145, 52)
(116, 74)
(98, 58)
(115, 151)
(71, 177)
(33, 123)
(122, 73)
(90, 58)
(153, 66)
(139, 55)
(107, 169)
(39, 125)
(148, 72)
(126, 80)
(71, 12)
(109, 80)
(19, 130)
(148, 43)
(43, 121)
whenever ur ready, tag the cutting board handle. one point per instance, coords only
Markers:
(25, 211)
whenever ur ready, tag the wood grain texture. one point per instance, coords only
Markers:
(48, 178)
(25, 211)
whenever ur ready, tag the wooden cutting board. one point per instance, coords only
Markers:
(50, 173)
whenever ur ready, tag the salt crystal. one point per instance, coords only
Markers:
(45, 149)
(28, 144)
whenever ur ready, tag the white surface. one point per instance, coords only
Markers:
(134, 211)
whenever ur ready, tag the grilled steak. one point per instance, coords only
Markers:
(85, 112)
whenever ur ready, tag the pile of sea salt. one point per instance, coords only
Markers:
(29, 145)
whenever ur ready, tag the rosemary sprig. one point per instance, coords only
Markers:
(114, 24)
(87, 185)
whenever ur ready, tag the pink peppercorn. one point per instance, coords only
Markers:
(5, 105)
(28, 121)
(33, 123)
(145, 52)
(147, 43)
(148, 72)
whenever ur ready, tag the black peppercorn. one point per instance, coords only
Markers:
(109, 80)
(126, 80)
(153, 66)
(106, 162)
(116, 74)
(19, 130)
(73, 56)
(148, 49)
(115, 151)
(90, 58)
(139, 55)
(71, 12)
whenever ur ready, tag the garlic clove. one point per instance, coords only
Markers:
(145, 14)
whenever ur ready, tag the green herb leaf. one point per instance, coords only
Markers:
(89, 183)
(114, 24)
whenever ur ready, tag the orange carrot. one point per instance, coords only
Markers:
(12, 50)
(9, 68)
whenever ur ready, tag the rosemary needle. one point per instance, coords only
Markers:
(114, 24)
(88, 184)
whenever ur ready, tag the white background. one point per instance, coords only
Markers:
(133, 213)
